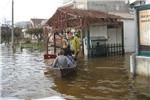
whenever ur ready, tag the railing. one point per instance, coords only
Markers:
(114, 49)
(107, 50)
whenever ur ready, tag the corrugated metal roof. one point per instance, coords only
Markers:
(65, 17)
(87, 13)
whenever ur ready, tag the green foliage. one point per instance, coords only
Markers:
(37, 32)
(18, 34)
(27, 40)
(6, 34)
(30, 31)
(36, 46)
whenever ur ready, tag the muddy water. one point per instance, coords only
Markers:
(104, 78)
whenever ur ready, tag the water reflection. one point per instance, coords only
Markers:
(96, 79)
(22, 75)
(142, 86)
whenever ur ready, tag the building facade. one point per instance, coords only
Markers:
(140, 61)
(116, 7)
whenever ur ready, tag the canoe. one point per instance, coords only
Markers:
(62, 72)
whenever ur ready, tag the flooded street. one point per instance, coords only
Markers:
(104, 78)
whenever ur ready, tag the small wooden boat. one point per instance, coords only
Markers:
(62, 72)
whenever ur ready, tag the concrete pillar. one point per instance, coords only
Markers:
(143, 65)
(133, 64)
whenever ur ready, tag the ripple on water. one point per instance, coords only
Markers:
(103, 78)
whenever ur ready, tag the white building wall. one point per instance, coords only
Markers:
(97, 30)
(80, 4)
(143, 65)
(108, 5)
(129, 35)
(114, 35)
(119, 35)
(147, 2)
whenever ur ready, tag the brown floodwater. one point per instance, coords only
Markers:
(105, 78)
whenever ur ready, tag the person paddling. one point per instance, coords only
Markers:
(62, 61)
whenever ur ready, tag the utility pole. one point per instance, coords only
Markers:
(0, 35)
(12, 30)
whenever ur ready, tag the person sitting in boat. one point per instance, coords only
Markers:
(62, 61)
(66, 46)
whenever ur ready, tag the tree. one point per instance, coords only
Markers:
(36, 32)
(18, 34)
(6, 34)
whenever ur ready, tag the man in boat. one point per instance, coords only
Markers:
(62, 61)
(66, 46)
(74, 44)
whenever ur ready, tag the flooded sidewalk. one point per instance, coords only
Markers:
(105, 78)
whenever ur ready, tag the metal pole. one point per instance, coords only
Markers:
(0, 36)
(55, 43)
(12, 30)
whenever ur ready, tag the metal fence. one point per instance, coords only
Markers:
(115, 49)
